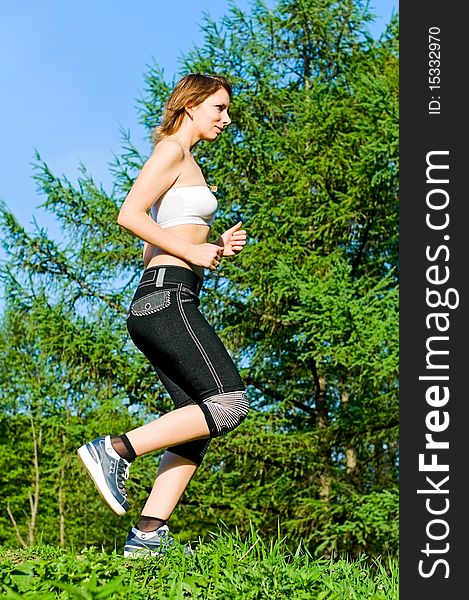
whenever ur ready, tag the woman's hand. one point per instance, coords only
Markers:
(204, 255)
(233, 240)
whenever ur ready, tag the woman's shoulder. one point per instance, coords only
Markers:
(167, 154)
(170, 147)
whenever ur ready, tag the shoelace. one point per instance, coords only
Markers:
(164, 537)
(122, 475)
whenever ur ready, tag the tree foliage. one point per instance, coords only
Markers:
(309, 309)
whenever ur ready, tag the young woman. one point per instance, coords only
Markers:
(164, 321)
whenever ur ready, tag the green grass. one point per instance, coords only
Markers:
(226, 568)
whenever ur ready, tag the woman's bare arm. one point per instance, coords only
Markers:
(158, 174)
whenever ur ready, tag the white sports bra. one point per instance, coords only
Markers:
(185, 204)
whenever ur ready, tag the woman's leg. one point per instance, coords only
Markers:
(150, 535)
(179, 463)
(183, 431)
(180, 425)
(166, 325)
(173, 477)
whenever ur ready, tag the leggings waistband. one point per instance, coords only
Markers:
(162, 274)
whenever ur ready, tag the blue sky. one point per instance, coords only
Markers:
(71, 73)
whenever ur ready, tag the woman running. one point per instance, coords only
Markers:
(171, 208)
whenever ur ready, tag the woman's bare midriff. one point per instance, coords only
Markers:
(192, 233)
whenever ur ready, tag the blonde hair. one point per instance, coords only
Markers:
(191, 90)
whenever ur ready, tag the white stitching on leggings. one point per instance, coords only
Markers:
(199, 345)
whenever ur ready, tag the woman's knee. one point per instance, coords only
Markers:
(224, 412)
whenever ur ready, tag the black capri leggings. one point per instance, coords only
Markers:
(165, 324)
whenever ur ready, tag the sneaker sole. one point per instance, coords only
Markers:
(141, 553)
(96, 474)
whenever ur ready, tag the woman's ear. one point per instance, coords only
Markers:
(190, 111)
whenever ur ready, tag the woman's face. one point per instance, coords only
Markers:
(210, 117)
